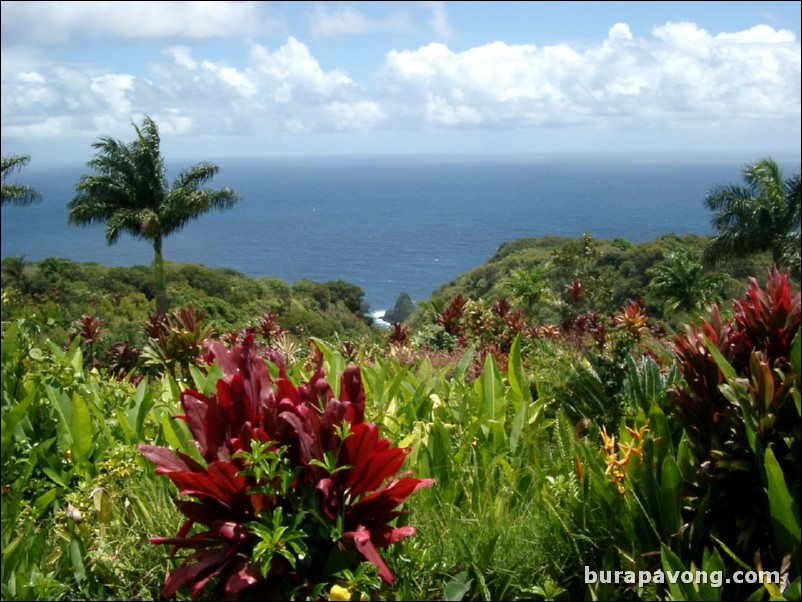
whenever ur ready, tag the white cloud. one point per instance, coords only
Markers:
(760, 34)
(54, 23)
(681, 69)
(680, 78)
(439, 21)
(345, 20)
(327, 20)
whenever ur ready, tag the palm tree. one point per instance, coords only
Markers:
(130, 193)
(17, 194)
(682, 284)
(13, 268)
(763, 215)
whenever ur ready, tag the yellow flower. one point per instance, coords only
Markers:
(617, 457)
(338, 592)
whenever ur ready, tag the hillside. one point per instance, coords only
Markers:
(611, 272)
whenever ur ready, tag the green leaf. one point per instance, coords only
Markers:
(125, 425)
(12, 418)
(57, 477)
(144, 402)
(457, 587)
(43, 502)
(521, 418)
(464, 364)
(9, 343)
(169, 433)
(60, 402)
(77, 559)
(731, 554)
(712, 564)
(335, 365)
(781, 505)
(726, 368)
(671, 493)
(519, 385)
(492, 391)
(679, 590)
(81, 431)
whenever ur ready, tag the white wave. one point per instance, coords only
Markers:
(377, 316)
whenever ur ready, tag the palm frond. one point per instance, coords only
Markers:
(17, 194)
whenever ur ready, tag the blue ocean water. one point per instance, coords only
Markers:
(391, 224)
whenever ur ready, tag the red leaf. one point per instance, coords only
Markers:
(364, 546)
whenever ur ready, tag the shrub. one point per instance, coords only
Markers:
(294, 487)
(739, 406)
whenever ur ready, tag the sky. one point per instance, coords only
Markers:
(275, 79)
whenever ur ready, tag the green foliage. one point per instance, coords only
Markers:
(761, 215)
(129, 193)
(16, 194)
(596, 443)
(682, 285)
(611, 274)
(57, 292)
(77, 506)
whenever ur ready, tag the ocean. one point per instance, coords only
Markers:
(391, 224)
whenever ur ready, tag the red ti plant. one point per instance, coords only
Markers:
(88, 328)
(398, 334)
(451, 315)
(575, 290)
(295, 485)
(269, 328)
(756, 345)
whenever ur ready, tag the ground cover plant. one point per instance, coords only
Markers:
(538, 450)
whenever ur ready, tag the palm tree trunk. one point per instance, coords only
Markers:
(158, 268)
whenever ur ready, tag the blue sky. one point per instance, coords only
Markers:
(250, 79)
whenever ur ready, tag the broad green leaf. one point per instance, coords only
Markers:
(679, 590)
(144, 402)
(519, 384)
(8, 550)
(335, 365)
(457, 587)
(671, 491)
(518, 422)
(77, 559)
(658, 426)
(12, 418)
(125, 425)
(464, 364)
(712, 564)
(75, 357)
(9, 343)
(169, 433)
(784, 519)
(726, 368)
(57, 477)
(492, 391)
(43, 502)
(81, 431)
(60, 402)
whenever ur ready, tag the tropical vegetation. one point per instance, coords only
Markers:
(763, 214)
(13, 193)
(576, 419)
(130, 194)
